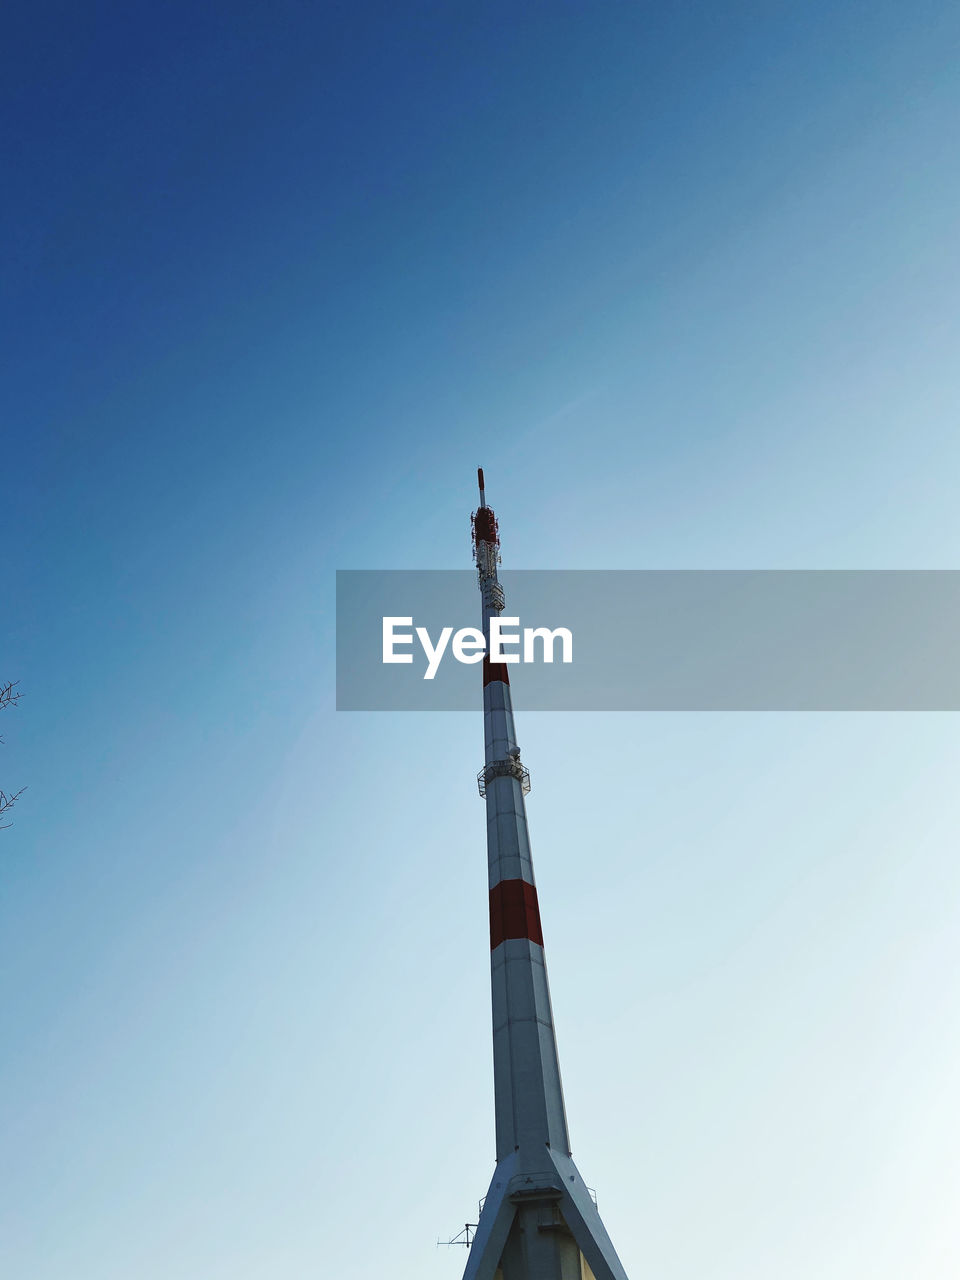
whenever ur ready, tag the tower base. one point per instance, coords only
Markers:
(541, 1225)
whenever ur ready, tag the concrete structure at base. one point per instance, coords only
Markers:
(539, 1220)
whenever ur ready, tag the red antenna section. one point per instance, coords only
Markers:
(485, 528)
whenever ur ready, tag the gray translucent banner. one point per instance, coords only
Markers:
(750, 640)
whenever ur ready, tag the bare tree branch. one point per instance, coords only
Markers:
(9, 694)
(7, 802)
(9, 697)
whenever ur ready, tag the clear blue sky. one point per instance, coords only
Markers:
(277, 278)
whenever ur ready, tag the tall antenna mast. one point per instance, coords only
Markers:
(539, 1220)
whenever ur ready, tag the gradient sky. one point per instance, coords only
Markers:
(277, 278)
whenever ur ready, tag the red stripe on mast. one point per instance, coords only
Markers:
(495, 671)
(514, 913)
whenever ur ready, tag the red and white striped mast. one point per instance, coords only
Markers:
(539, 1221)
